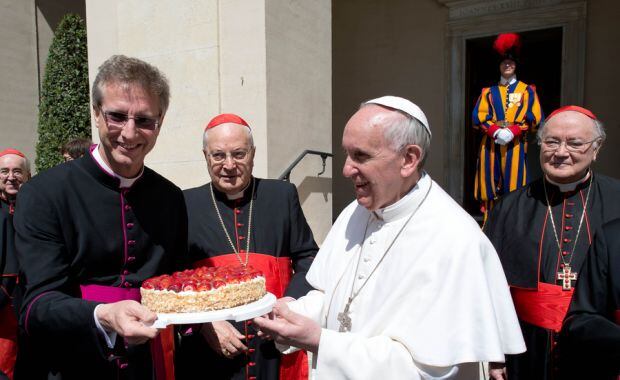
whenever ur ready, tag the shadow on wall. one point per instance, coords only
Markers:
(314, 185)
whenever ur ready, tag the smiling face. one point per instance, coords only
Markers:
(562, 165)
(13, 174)
(125, 148)
(507, 68)
(380, 175)
(231, 175)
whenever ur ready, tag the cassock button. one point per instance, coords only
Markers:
(366, 259)
(131, 242)
(566, 240)
(237, 211)
(127, 207)
(130, 225)
(251, 350)
(568, 216)
(248, 323)
(127, 284)
(130, 259)
(241, 237)
(361, 276)
(564, 253)
(250, 336)
(568, 228)
(252, 378)
(251, 364)
(242, 251)
(562, 265)
(239, 224)
(123, 365)
(125, 272)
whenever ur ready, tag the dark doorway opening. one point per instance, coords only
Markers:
(540, 64)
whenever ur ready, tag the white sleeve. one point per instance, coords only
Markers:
(110, 337)
(351, 356)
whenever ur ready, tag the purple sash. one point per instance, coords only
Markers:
(109, 294)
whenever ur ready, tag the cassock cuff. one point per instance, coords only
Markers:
(110, 337)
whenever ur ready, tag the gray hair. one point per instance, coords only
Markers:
(205, 137)
(126, 70)
(599, 130)
(407, 130)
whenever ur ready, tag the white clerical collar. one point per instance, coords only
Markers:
(125, 182)
(503, 81)
(566, 187)
(232, 197)
(406, 204)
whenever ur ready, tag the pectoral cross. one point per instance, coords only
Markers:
(567, 276)
(344, 318)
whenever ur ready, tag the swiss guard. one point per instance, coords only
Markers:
(504, 114)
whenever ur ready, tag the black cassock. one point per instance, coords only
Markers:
(279, 236)
(75, 226)
(8, 289)
(590, 338)
(521, 230)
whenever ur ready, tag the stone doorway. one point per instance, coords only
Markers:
(540, 64)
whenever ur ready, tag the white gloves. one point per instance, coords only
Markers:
(503, 136)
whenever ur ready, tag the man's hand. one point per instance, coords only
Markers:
(128, 319)
(224, 338)
(497, 371)
(291, 329)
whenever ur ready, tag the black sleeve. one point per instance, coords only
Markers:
(302, 248)
(52, 312)
(590, 336)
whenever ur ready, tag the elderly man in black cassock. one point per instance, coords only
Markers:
(542, 234)
(14, 172)
(243, 220)
(590, 337)
(89, 231)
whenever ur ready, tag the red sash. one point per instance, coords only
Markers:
(545, 307)
(8, 340)
(278, 272)
(162, 347)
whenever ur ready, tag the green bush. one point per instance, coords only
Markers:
(64, 107)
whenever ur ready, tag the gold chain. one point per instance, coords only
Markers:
(247, 237)
(555, 234)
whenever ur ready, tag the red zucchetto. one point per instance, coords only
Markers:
(12, 151)
(226, 118)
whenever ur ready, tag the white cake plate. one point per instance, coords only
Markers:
(237, 314)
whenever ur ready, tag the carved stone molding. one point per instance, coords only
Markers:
(479, 18)
(472, 8)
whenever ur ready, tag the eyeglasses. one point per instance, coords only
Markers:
(236, 155)
(574, 146)
(17, 173)
(117, 120)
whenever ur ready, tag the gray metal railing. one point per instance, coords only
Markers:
(286, 175)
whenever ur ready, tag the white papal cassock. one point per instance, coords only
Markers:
(435, 305)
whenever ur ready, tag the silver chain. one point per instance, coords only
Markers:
(555, 234)
(353, 295)
(247, 237)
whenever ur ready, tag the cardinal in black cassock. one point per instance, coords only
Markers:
(238, 219)
(542, 233)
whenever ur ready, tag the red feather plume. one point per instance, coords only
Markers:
(507, 41)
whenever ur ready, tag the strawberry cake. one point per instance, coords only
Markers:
(203, 289)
